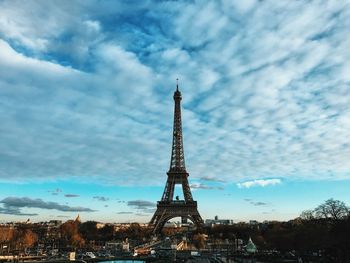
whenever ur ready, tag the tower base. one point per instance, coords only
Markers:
(168, 210)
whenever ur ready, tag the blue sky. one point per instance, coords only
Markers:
(86, 106)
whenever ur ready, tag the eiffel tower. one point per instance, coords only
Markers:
(169, 208)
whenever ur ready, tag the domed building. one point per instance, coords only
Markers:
(251, 247)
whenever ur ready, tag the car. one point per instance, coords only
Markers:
(195, 254)
(90, 255)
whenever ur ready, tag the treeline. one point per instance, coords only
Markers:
(71, 235)
(324, 230)
(19, 237)
(76, 234)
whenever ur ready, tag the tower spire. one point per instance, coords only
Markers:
(177, 162)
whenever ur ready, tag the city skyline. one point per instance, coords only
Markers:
(86, 107)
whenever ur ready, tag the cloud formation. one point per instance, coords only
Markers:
(71, 195)
(124, 213)
(88, 88)
(101, 198)
(262, 183)
(211, 179)
(13, 205)
(205, 187)
(143, 206)
(256, 203)
(56, 191)
(15, 211)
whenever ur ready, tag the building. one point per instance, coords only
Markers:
(217, 221)
(250, 247)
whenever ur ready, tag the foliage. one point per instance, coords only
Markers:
(106, 232)
(89, 230)
(70, 232)
(6, 234)
(199, 240)
(28, 238)
(22, 236)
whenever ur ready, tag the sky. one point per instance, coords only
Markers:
(86, 107)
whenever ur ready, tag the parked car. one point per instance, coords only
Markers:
(90, 255)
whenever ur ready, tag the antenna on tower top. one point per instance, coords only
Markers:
(177, 84)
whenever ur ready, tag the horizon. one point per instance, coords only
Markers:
(86, 107)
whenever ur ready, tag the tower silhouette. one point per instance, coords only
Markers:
(169, 208)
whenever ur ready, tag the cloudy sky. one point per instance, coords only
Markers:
(86, 106)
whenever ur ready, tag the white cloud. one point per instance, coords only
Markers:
(86, 91)
(262, 183)
(201, 186)
(13, 61)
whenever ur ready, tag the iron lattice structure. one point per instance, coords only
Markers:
(169, 208)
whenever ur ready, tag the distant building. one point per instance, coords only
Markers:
(100, 225)
(217, 221)
(55, 223)
(250, 247)
(122, 226)
(253, 222)
(170, 224)
(126, 247)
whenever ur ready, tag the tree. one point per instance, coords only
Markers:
(29, 238)
(70, 231)
(77, 241)
(6, 234)
(89, 230)
(106, 233)
(332, 209)
(199, 240)
(307, 215)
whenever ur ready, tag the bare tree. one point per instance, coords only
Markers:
(6, 234)
(332, 209)
(29, 238)
(307, 215)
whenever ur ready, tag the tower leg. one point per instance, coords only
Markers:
(169, 211)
